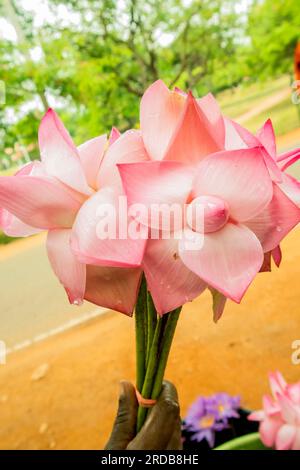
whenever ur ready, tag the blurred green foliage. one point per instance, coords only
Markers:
(93, 59)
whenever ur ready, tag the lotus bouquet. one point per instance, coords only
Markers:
(147, 220)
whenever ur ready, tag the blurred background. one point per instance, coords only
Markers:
(91, 61)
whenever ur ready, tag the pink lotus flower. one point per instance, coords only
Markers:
(61, 194)
(246, 213)
(280, 417)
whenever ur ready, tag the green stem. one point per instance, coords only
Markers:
(150, 372)
(168, 336)
(140, 335)
(151, 324)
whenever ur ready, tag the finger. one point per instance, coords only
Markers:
(161, 422)
(124, 428)
(175, 443)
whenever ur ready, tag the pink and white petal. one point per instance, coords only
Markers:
(59, 154)
(257, 416)
(239, 177)
(228, 260)
(233, 140)
(41, 202)
(268, 430)
(271, 406)
(287, 159)
(291, 187)
(237, 137)
(170, 282)
(151, 184)
(289, 411)
(91, 154)
(114, 135)
(114, 288)
(219, 302)
(129, 148)
(274, 222)
(95, 235)
(266, 136)
(277, 383)
(159, 115)
(285, 437)
(274, 170)
(70, 272)
(210, 107)
(296, 443)
(293, 391)
(194, 137)
(14, 227)
(277, 255)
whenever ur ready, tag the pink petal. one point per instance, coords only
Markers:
(128, 148)
(285, 437)
(233, 140)
(193, 138)
(237, 137)
(210, 107)
(14, 227)
(67, 268)
(287, 159)
(293, 391)
(277, 255)
(290, 412)
(277, 383)
(296, 443)
(59, 154)
(114, 135)
(271, 406)
(171, 284)
(268, 430)
(219, 302)
(266, 136)
(256, 416)
(91, 154)
(154, 183)
(159, 114)
(97, 216)
(228, 261)
(291, 187)
(275, 221)
(41, 202)
(114, 288)
(239, 177)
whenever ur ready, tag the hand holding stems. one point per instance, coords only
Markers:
(154, 335)
(162, 429)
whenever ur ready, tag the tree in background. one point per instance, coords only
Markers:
(93, 60)
(274, 30)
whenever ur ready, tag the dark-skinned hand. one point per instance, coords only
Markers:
(162, 429)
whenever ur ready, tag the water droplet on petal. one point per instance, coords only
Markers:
(279, 229)
(77, 302)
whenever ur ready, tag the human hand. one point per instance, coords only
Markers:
(162, 429)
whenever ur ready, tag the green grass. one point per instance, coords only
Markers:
(239, 100)
(284, 117)
(9, 171)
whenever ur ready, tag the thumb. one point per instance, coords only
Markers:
(124, 428)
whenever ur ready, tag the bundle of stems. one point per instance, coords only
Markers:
(154, 335)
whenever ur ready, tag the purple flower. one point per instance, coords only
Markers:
(224, 406)
(208, 415)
